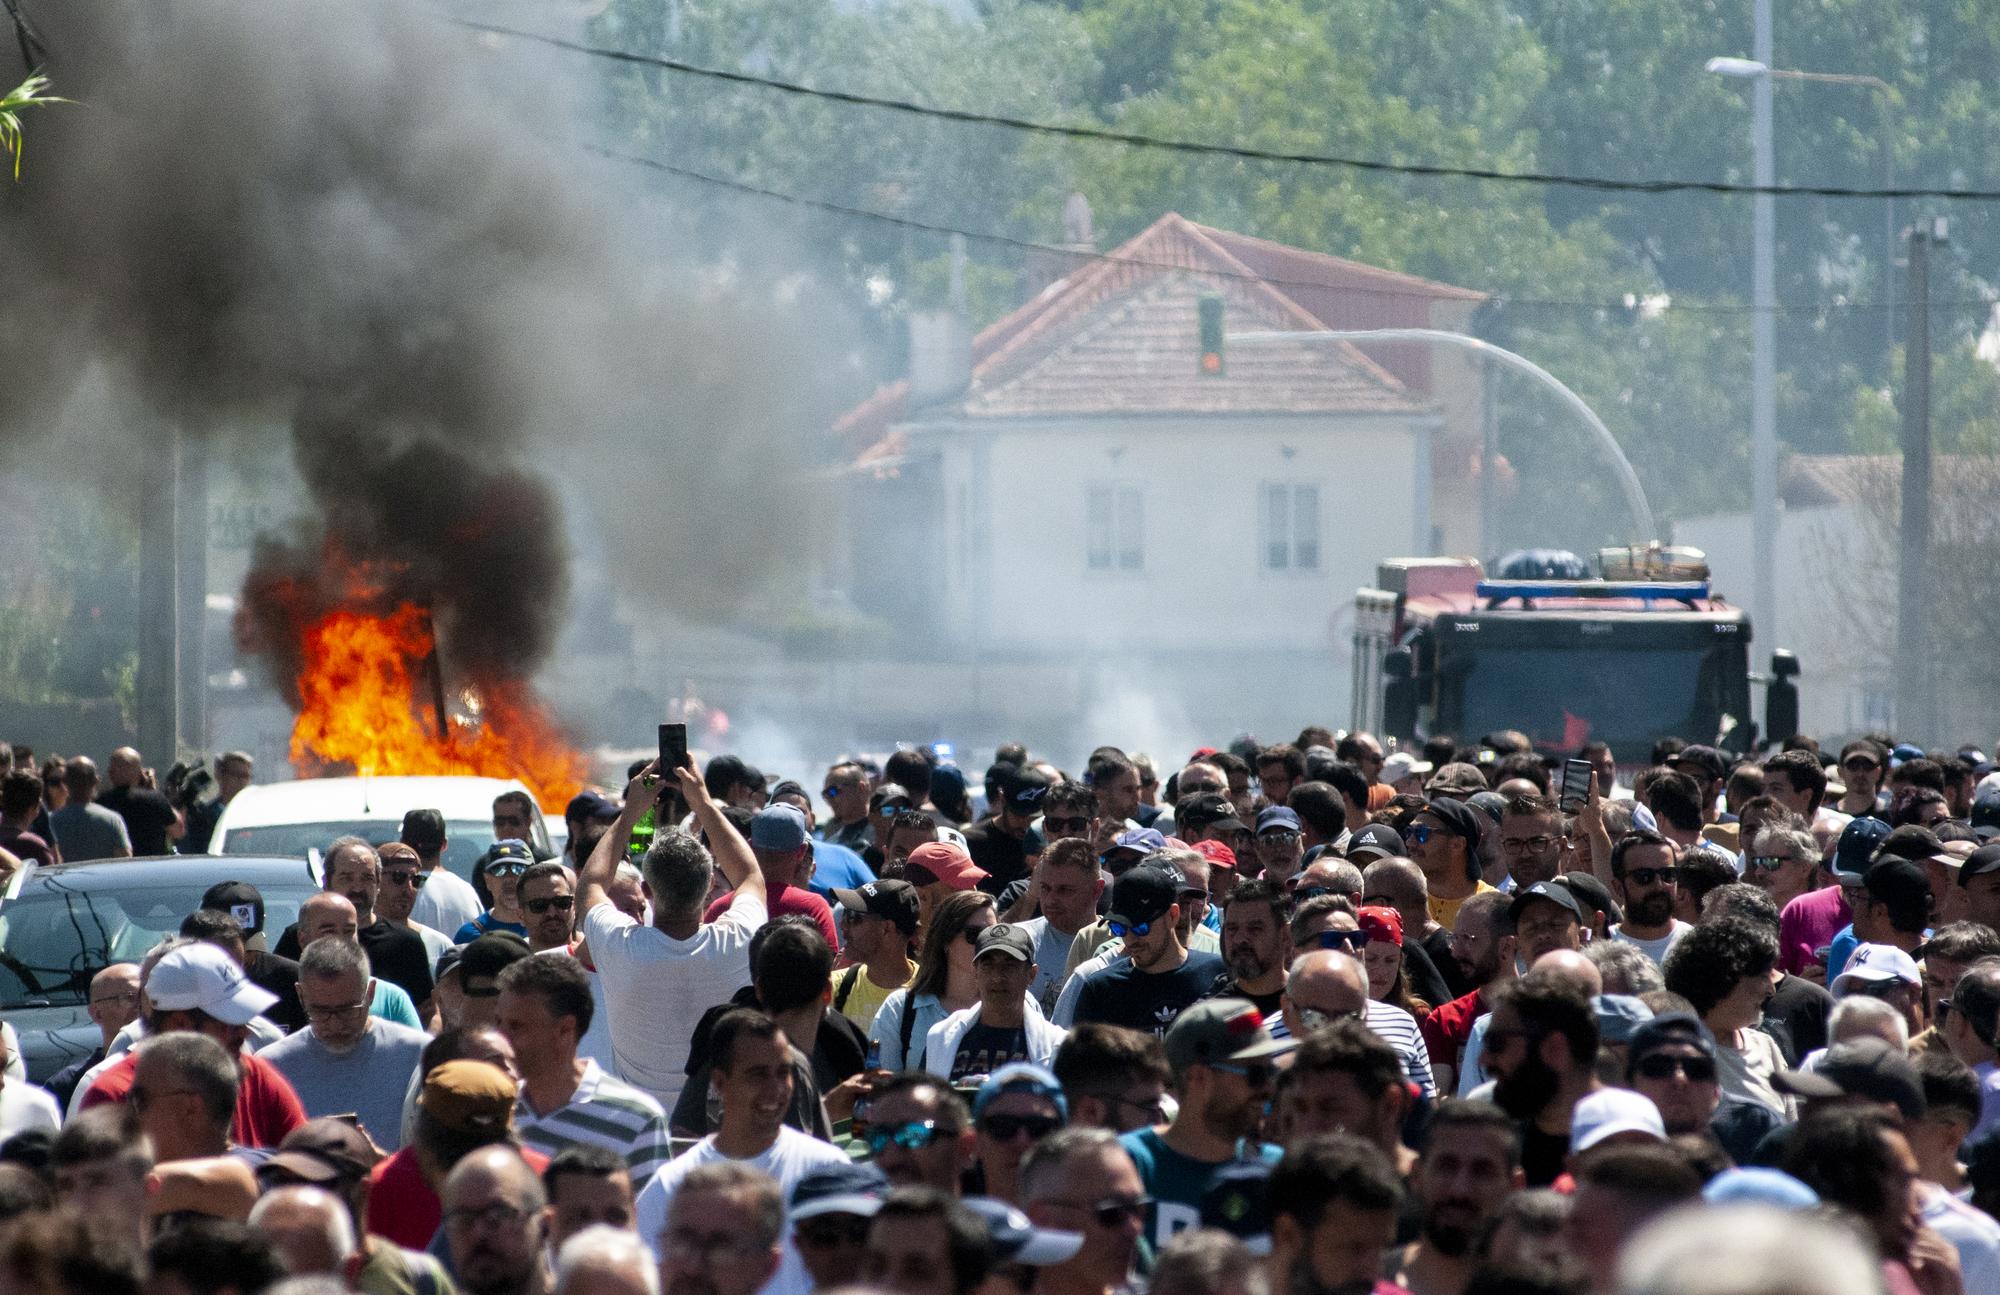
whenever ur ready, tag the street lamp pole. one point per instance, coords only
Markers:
(1763, 298)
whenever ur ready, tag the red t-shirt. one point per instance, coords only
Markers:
(402, 1207)
(792, 899)
(27, 847)
(266, 1107)
(1447, 1029)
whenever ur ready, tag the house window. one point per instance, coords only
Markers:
(1115, 527)
(1288, 526)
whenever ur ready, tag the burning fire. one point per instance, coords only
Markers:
(359, 708)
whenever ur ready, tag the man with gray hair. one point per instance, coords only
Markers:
(659, 979)
(1084, 1181)
(309, 1228)
(723, 1230)
(496, 1224)
(347, 1059)
(603, 1260)
(352, 870)
(1625, 968)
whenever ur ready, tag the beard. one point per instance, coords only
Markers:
(1244, 964)
(1527, 1088)
(1654, 910)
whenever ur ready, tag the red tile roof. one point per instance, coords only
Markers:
(1266, 284)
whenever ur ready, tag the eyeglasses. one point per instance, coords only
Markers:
(1315, 1019)
(512, 868)
(1351, 941)
(1005, 1128)
(912, 1136)
(1860, 764)
(829, 1230)
(1527, 845)
(1420, 834)
(498, 1214)
(414, 880)
(1280, 837)
(1149, 1107)
(115, 998)
(1665, 1065)
(1770, 862)
(1257, 1074)
(1647, 876)
(1111, 1211)
(1053, 824)
(561, 903)
(1120, 931)
(324, 1013)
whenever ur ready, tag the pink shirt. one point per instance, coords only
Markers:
(1808, 923)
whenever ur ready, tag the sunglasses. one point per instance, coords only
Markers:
(912, 1136)
(512, 869)
(1279, 837)
(1119, 930)
(1856, 762)
(1768, 862)
(561, 903)
(1419, 834)
(1351, 941)
(1314, 1019)
(414, 880)
(1053, 824)
(827, 1231)
(1257, 1074)
(1648, 876)
(1005, 1128)
(831, 792)
(1660, 1065)
(1111, 1212)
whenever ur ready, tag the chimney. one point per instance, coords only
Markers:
(941, 342)
(1045, 265)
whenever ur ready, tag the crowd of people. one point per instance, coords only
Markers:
(1300, 1019)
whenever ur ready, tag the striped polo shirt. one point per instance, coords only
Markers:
(603, 1112)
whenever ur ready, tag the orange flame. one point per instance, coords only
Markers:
(358, 710)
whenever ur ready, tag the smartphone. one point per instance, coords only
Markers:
(673, 749)
(1575, 786)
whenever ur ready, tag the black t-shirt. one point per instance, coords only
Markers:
(1004, 857)
(398, 956)
(1268, 1005)
(1542, 1154)
(147, 815)
(201, 823)
(1796, 1016)
(281, 977)
(986, 1048)
(1121, 994)
(1421, 976)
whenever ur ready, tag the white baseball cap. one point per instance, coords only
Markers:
(1876, 964)
(1610, 1111)
(1403, 765)
(201, 977)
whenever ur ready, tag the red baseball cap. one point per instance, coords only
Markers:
(949, 863)
(1216, 853)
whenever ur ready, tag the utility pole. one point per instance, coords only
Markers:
(1763, 341)
(1916, 714)
(158, 682)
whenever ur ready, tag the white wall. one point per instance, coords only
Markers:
(1015, 528)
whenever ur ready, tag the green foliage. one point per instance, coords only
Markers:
(30, 92)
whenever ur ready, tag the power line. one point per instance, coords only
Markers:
(1030, 245)
(1241, 152)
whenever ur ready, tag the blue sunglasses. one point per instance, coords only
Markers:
(1119, 930)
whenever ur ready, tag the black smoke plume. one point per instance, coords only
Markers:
(317, 217)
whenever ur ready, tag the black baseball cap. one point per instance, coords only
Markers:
(240, 900)
(1895, 882)
(1554, 892)
(1461, 820)
(489, 955)
(1375, 841)
(1866, 1067)
(1910, 841)
(894, 900)
(1005, 937)
(423, 830)
(1143, 894)
(1983, 860)
(1209, 809)
(1705, 758)
(1592, 894)
(1023, 790)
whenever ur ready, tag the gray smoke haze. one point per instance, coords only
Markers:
(314, 217)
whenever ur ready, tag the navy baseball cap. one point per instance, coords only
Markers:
(1277, 818)
(1143, 894)
(1859, 841)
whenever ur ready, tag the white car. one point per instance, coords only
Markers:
(300, 819)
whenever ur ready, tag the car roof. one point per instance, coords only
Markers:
(171, 870)
(361, 799)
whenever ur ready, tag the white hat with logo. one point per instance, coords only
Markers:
(202, 978)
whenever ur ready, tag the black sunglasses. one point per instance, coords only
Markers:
(1005, 1128)
(1052, 824)
(1661, 1065)
(1647, 876)
(561, 903)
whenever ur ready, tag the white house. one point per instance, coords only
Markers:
(1072, 488)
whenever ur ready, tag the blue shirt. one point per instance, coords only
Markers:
(836, 865)
(1176, 1182)
(486, 924)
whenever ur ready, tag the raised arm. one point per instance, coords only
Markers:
(731, 851)
(601, 868)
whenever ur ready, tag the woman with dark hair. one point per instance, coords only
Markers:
(1382, 956)
(1723, 968)
(945, 981)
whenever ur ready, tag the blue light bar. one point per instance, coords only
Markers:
(1680, 591)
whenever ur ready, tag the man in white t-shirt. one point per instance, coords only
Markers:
(753, 1076)
(659, 979)
(445, 901)
(1644, 864)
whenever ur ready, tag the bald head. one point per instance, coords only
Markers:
(80, 776)
(1337, 875)
(1324, 968)
(490, 1171)
(327, 914)
(1571, 968)
(310, 1228)
(125, 767)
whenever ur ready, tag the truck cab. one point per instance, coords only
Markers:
(1631, 650)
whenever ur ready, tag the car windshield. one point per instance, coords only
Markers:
(1564, 697)
(56, 935)
(465, 839)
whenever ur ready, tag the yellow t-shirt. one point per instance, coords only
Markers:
(866, 997)
(1445, 911)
